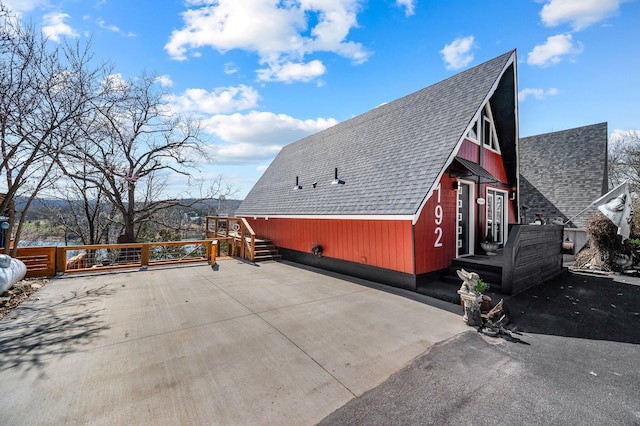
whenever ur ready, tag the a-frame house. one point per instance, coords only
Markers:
(397, 193)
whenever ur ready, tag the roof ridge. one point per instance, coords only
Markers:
(572, 129)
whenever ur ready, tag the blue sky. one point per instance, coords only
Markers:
(264, 73)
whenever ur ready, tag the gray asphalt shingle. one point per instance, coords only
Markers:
(563, 172)
(389, 157)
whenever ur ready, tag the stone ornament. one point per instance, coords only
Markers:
(471, 298)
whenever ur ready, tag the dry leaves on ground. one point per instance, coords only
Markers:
(20, 292)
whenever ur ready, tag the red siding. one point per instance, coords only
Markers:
(430, 258)
(381, 243)
(389, 244)
(493, 164)
(469, 151)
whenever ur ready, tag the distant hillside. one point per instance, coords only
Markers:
(38, 207)
(227, 207)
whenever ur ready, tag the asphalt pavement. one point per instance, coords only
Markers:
(572, 359)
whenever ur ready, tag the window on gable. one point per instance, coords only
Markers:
(473, 131)
(489, 135)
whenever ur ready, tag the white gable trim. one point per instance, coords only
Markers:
(330, 216)
(517, 142)
(476, 116)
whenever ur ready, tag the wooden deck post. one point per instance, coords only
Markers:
(214, 250)
(253, 248)
(144, 255)
(242, 241)
(61, 260)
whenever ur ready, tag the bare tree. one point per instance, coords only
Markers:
(131, 145)
(44, 89)
(83, 211)
(624, 159)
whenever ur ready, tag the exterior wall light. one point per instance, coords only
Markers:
(316, 250)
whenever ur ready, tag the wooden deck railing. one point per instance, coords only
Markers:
(235, 232)
(233, 235)
(52, 260)
(40, 261)
(533, 254)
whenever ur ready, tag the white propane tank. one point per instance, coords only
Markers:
(11, 271)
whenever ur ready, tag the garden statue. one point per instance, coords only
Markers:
(470, 297)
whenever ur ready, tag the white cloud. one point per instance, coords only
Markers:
(244, 137)
(279, 32)
(220, 100)
(24, 5)
(242, 153)
(102, 24)
(230, 68)
(290, 72)
(536, 93)
(409, 6)
(115, 82)
(552, 52)
(619, 136)
(579, 13)
(54, 26)
(457, 54)
(165, 80)
(263, 128)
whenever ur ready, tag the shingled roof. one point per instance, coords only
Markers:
(563, 172)
(391, 157)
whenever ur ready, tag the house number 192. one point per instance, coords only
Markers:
(438, 220)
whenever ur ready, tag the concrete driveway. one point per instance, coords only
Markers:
(243, 344)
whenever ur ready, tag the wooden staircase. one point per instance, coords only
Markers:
(265, 250)
(241, 238)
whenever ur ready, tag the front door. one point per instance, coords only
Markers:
(496, 215)
(465, 222)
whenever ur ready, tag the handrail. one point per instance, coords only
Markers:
(242, 238)
(246, 224)
(252, 242)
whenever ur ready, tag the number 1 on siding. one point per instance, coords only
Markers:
(438, 220)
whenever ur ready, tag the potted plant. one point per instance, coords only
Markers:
(481, 286)
(485, 304)
(489, 245)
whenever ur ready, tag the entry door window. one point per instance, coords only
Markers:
(496, 215)
(465, 219)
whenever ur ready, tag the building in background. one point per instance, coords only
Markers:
(561, 174)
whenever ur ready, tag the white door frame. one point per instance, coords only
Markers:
(471, 231)
(504, 220)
